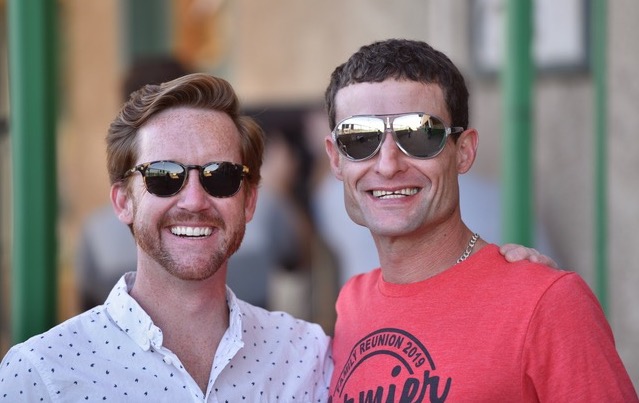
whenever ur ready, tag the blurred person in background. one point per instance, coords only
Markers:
(270, 268)
(106, 249)
(351, 244)
(446, 317)
(184, 167)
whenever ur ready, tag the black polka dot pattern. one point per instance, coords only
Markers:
(114, 353)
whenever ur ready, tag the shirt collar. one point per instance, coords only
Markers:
(129, 316)
(234, 332)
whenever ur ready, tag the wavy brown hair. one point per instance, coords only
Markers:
(194, 90)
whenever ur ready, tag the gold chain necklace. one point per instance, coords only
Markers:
(469, 248)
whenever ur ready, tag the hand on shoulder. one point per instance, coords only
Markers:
(513, 252)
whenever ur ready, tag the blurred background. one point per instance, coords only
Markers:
(278, 55)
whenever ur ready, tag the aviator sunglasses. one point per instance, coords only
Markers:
(167, 178)
(417, 134)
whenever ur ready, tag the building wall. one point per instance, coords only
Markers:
(623, 186)
(91, 73)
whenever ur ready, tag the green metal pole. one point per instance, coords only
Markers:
(147, 28)
(599, 38)
(32, 127)
(517, 214)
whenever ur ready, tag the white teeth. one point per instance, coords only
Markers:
(191, 231)
(385, 194)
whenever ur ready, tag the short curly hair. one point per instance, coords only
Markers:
(402, 59)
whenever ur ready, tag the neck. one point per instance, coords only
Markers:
(164, 296)
(193, 315)
(409, 259)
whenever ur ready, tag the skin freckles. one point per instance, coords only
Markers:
(154, 217)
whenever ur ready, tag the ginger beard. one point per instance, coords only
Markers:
(187, 266)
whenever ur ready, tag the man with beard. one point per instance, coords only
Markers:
(184, 168)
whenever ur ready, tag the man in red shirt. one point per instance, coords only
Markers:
(446, 317)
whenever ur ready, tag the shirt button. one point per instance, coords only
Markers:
(167, 360)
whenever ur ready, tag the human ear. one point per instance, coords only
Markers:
(466, 150)
(250, 202)
(122, 203)
(333, 157)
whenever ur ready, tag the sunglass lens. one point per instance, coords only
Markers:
(221, 179)
(422, 136)
(359, 137)
(164, 178)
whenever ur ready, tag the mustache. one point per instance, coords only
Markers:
(198, 219)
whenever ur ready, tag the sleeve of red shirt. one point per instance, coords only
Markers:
(570, 353)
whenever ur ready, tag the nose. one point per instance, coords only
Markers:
(193, 197)
(390, 159)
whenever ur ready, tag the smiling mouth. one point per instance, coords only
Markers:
(194, 232)
(395, 194)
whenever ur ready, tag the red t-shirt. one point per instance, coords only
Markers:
(484, 330)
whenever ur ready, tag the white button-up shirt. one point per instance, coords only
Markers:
(114, 353)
